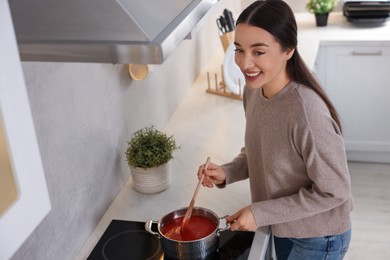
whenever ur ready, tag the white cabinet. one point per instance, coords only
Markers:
(357, 79)
(19, 154)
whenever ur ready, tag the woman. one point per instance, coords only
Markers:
(294, 153)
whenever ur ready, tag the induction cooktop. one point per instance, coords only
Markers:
(233, 245)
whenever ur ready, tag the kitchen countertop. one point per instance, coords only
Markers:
(209, 125)
(338, 31)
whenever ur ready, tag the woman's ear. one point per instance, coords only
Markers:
(290, 53)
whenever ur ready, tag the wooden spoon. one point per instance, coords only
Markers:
(187, 216)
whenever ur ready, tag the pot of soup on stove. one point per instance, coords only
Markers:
(199, 240)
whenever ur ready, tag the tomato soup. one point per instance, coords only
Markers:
(198, 227)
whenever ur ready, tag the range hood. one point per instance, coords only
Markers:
(104, 31)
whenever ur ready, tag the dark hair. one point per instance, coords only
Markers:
(277, 18)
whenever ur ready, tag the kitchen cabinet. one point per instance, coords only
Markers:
(21, 168)
(356, 77)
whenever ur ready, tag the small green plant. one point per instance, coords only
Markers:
(320, 6)
(150, 148)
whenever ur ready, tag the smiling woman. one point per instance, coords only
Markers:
(294, 155)
(262, 59)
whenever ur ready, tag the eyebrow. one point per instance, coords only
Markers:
(259, 44)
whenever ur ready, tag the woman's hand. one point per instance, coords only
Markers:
(242, 220)
(214, 174)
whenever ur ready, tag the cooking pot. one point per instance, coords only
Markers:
(201, 248)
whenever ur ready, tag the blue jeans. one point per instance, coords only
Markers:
(314, 248)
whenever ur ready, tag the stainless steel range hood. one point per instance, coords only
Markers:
(106, 31)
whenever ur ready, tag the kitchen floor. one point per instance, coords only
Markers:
(370, 181)
(371, 214)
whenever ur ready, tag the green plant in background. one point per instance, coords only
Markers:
(149, 147)
(321, 6)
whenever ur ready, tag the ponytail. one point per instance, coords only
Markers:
(299, 72)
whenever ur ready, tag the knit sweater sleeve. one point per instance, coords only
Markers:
(237, 169)
(318, 141)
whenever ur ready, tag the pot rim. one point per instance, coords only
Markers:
(184, 210)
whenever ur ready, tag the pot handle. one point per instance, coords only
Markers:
(219, 230)
(148, 227)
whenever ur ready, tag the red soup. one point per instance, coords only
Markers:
(198, 227)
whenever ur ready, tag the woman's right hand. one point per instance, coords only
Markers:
(214, 174)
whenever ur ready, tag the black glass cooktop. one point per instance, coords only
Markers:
(233, 245)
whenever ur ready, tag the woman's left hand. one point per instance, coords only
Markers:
(242, 220)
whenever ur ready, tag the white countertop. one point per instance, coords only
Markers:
(338, 31)
(209, 125)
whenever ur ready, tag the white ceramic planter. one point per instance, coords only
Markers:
(151, 180)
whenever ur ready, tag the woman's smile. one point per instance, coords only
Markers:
(251, 76)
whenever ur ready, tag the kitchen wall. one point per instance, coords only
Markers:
(83, 115)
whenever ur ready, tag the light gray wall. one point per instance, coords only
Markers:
(84, 114)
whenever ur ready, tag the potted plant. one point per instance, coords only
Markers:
(321, 10)
(148, 154)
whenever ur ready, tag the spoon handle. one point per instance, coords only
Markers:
(187, 216)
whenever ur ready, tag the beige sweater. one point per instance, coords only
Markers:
(295, 159)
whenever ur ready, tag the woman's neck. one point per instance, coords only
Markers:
(274, 88)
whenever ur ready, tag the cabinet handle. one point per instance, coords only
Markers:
(374, 53)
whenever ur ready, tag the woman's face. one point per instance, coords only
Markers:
(261, 59)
